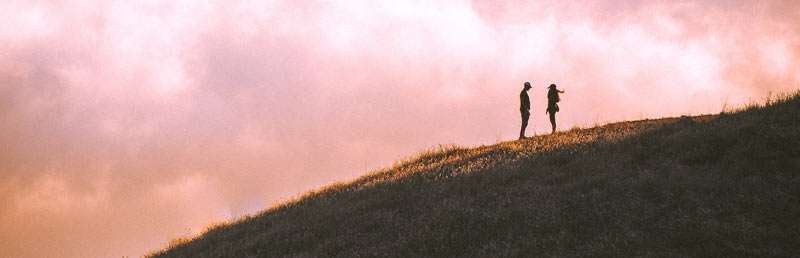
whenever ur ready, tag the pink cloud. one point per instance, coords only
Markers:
(132, 123)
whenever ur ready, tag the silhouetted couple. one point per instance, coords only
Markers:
(525, 106)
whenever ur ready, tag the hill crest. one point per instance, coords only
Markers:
(709, 185)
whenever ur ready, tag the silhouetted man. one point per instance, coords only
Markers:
(524, 108)
(552, 104)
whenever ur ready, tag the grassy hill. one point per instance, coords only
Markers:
(714, 185)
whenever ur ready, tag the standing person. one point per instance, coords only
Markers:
(524, 108)
(552, 104)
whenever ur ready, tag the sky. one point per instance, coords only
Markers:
(124, 124)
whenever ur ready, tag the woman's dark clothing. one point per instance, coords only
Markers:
(552, 105)
(552, 100)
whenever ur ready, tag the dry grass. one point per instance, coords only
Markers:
(725, 185)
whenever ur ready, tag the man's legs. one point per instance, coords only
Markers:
(525, 116)
(553, 121)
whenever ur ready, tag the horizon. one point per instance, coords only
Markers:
(126, 125)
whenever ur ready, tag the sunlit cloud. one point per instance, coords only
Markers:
(131, 123)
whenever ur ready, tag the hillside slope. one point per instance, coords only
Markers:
(717, 185)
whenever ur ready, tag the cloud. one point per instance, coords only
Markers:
(126, 124)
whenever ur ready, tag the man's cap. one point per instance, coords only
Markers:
(552, 85)
(528, 84)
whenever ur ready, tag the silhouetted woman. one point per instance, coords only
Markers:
(552, 104)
